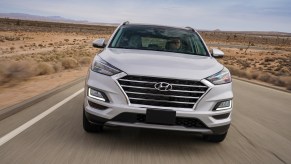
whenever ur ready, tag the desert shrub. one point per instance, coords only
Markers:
(285, 70)
(69, 63)
(278, 48)
(2, 76)
(84, 61)
(16, 71)
(2, 39)
(57, 67)
(44, 69)
(12, 48)
(288, 83)
(265, 77)
(278, 68)
(252, 74)
(237, 72)
(276, 81)
(269, 59)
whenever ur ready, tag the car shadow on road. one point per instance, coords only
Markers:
(148, 140)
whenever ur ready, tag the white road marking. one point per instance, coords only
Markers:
(28, 124)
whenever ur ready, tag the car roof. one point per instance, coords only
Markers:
(157, 26)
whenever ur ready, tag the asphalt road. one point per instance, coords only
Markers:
(260, 133)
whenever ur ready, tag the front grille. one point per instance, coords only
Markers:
(141, 118)
(141, 90)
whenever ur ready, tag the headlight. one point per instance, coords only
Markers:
(222, 77)
(103, 67)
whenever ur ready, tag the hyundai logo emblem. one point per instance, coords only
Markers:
(163, 86)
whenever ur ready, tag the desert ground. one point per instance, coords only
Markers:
(36, 57)
(262, 56)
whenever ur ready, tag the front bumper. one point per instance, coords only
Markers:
(215, 122)
(130, 123)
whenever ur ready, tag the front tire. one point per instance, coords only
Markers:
(216, 138)
(90, 127)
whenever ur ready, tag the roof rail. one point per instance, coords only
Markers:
(190, 28)
(126, 22)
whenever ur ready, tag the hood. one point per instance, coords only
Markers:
(161, 64)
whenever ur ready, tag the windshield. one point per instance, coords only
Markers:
(157, 38)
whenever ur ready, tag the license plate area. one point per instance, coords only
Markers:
(161, 116)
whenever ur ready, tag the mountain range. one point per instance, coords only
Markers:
(23, 16)
(66, 20)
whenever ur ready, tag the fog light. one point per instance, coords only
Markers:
(223, 105)
(97, 94)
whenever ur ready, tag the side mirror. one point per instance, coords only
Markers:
(217, 53)
(99, 43)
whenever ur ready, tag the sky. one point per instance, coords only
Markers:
(230, 15)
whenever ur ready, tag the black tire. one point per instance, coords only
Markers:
(216, 138)
(90, 127)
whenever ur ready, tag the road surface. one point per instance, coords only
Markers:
(260, 133)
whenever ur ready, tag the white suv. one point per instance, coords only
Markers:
(158, 77)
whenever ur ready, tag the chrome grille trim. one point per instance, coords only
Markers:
(163, 95)
(163, 91)
(180, 102)
(156, 82)
(140, 90)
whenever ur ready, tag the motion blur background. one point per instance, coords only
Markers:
(45, 52)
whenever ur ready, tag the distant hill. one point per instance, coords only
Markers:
(60, 19)
(270, 33)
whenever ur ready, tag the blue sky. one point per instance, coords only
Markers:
(253, 15)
